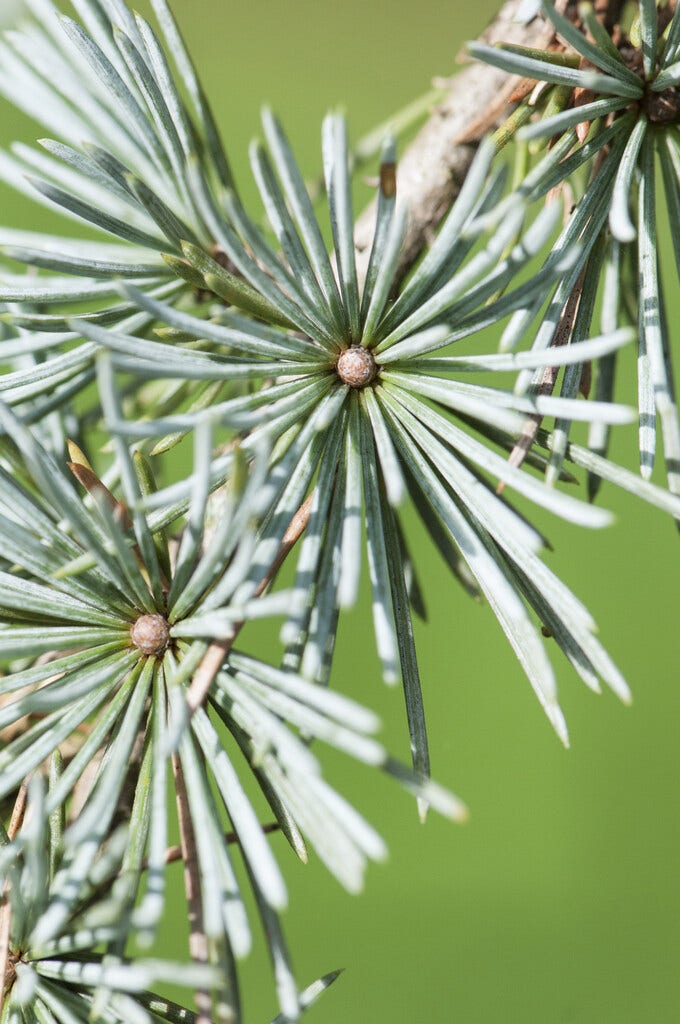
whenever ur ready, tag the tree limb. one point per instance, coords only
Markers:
(433, 168)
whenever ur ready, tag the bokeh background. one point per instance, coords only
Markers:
(560, 900)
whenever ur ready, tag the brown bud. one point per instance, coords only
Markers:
(150, 634)
(356, 366)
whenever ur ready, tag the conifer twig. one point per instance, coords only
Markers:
(218, 649)
(175, 853)
(548, 378)
(6, 964)
(198, 943)
(433, 168)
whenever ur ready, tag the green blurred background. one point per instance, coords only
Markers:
(560, 900)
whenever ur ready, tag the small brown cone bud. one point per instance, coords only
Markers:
(356, 366)
(150, 634)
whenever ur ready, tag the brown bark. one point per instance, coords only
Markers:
(433, 168)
